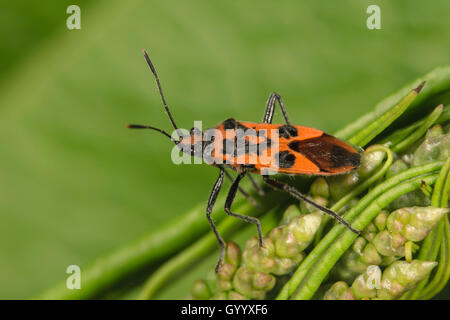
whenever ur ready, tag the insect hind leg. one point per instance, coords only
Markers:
(295, 193)
(211, 201)
(229, 201)
(270, 108)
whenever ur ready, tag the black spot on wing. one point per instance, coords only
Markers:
(228, 147)
(245, 148)
(229, 124)
(325, 152)
(237, 148)
(241, 126)
(340, 156)
(285, 159)
(264, 145)
(287, 131)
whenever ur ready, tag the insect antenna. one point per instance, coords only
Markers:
(139, 126)
(166, 107)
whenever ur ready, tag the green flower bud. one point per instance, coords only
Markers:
(370, 162)
(434, 147)
(389, 244)
(365, 285)
(259, 258)
(370, 255)
(397, 167)
(340, 185)
(233, 295)
(380, 220)
(291, 212)
(339, 291)
(243, 283)
(286, 265)
(226, 271)
(286, 246)
(304, 228)
(347, 295)
(356, 260)
(402, 276)
(370, 231)
(358, 245)
(349, 266)
(319, 188)
(200, 290)
(276, 232)
(388, 260)
(224, 276)
(306, 208)
(233, 253)
(416, 222)
(263, 281)
(252, 284)
(224, 285)
(435, 131)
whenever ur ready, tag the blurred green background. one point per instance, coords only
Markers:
(75, 184)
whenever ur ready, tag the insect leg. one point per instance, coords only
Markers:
(229, 202)
(242, 191)
(287, 188)
(211, 202)
(270, 108)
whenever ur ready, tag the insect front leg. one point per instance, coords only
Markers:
(211, 201)
(242, 191)
(270, 108)
(229, 202)
(295, 193)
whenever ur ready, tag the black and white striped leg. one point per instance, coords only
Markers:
(211, 201)
(270, 108)
(295, 193)
(242, 191)
(229, 202)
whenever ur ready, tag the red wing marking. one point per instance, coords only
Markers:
(290, 149)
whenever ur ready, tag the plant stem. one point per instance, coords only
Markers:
(417, 134)
(366, 134)
(401, 134)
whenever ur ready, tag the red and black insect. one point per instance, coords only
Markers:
(300, 151)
